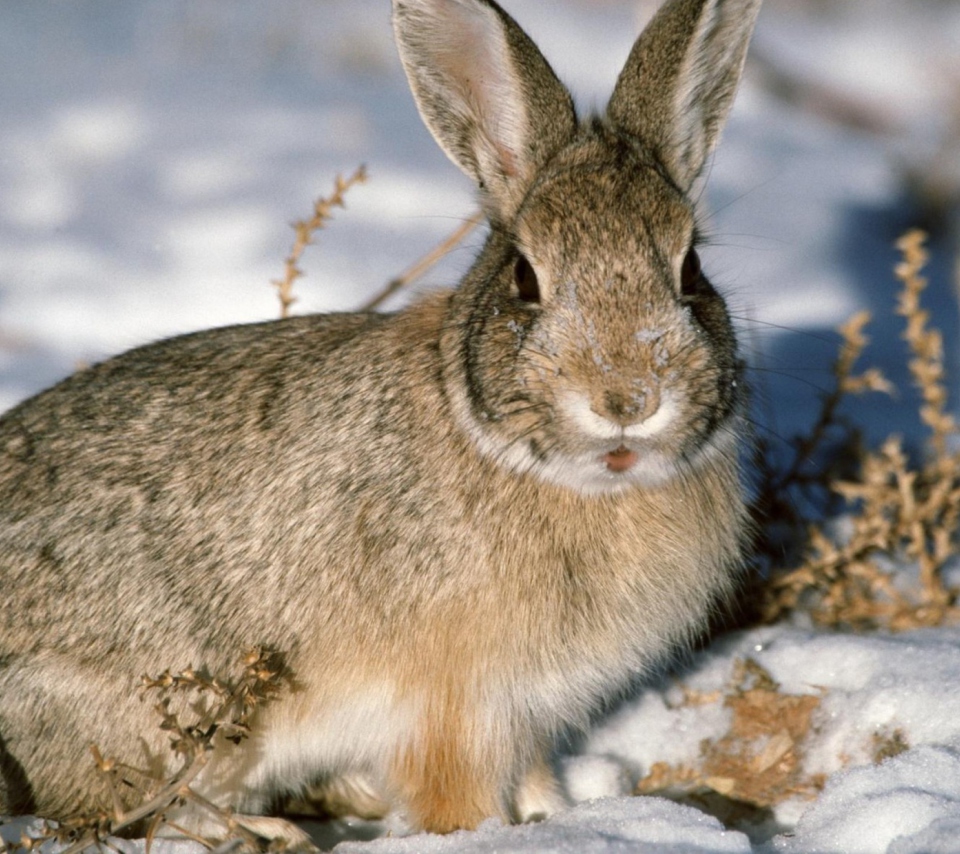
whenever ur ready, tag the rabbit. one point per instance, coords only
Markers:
(467, 525)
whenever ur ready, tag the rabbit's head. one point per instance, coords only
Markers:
(587, 346)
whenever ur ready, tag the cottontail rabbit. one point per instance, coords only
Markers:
(465, 524)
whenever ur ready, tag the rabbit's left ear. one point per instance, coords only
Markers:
(678, 84)
(486, 93)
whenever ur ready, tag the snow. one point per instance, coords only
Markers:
(597, 827)
(153, 155)
(906, 805)
(869, 685)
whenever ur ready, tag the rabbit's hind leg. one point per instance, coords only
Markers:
(344, 795)
(293, 837)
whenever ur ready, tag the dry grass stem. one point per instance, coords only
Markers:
(926, 344)
(305, 231)
(853, 343)
(425, 263)
(793, 493)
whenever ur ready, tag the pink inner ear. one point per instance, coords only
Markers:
(470, 53)
(508, 162)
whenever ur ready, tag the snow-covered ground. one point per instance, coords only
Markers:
(153, 154)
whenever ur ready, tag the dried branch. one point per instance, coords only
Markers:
(229, 716)
(791, 495)
(305, 230)
(926, 344)
(901, 513)
(425, 263)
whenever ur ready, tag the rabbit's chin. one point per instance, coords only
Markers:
(613, 471)
(609, 471)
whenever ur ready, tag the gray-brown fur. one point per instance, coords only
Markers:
(412, 507)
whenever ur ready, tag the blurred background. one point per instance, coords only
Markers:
(153, 155)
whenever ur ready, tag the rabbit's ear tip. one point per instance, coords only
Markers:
(678, 85)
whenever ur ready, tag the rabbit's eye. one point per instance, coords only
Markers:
(690, 273)
(525, 279)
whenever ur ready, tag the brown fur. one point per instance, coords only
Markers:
(414, 507)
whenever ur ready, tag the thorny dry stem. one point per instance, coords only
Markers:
(323, 212)
(262, 680)
(305, 230)
(793, 493)
(926, 345)
(805, 447)
(900, 511)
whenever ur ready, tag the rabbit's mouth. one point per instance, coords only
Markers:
(620, 460)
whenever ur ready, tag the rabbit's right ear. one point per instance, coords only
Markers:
(486, 93)
(678, 84)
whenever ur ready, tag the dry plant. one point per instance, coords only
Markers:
(305, 230)
(757, 764)
(227, 714)
(902, 513)
(794, 492)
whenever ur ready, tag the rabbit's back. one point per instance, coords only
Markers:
(182, 476)
(183, 502)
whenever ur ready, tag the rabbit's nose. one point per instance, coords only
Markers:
(628, 409)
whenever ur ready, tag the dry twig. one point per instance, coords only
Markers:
(425, 263)
(305, 230)
(792, 495)
(228, 717)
